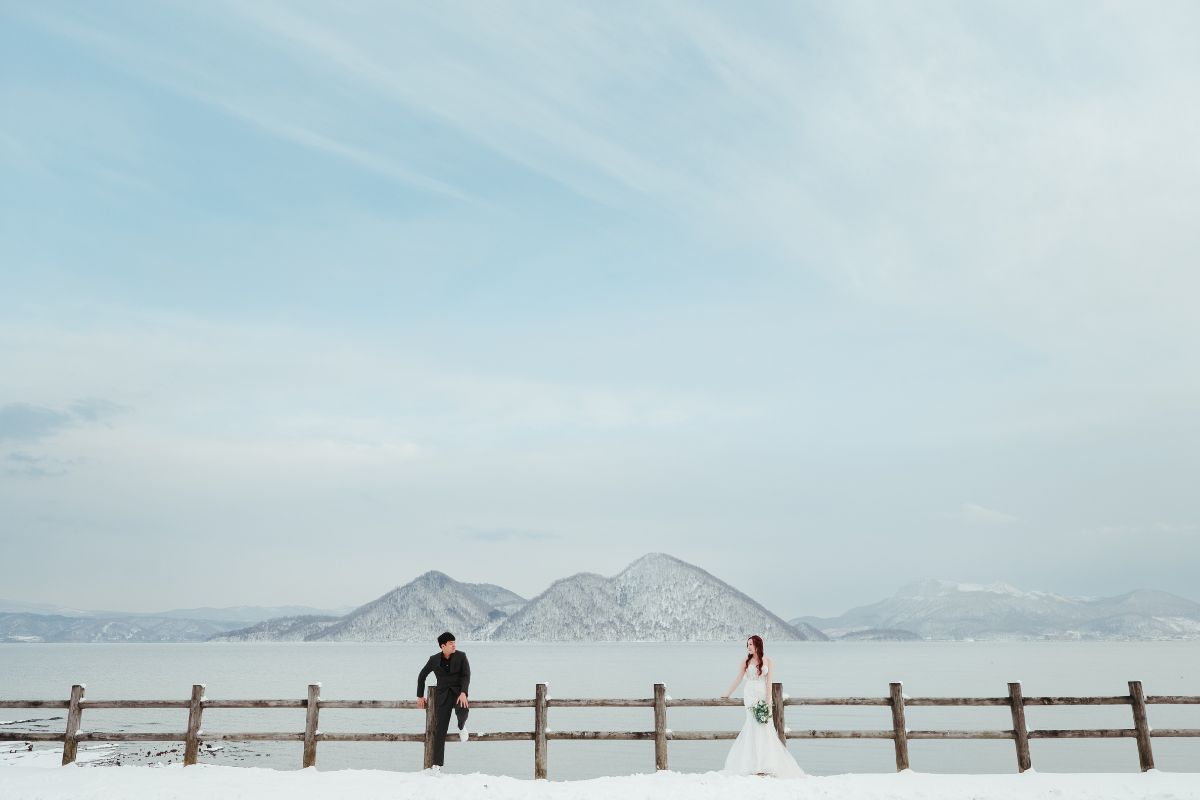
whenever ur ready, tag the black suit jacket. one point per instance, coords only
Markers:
(453, 676)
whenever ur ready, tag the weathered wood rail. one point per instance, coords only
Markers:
(897, 702)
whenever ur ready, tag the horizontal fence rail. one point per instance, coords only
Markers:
(899, 733)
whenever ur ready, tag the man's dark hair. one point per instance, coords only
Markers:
(445, 637)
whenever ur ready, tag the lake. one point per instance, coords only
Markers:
(509, 670)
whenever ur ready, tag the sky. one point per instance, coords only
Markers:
(299, 301)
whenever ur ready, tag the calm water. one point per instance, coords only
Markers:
(387, 671)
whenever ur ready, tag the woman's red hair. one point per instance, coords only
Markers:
(757, 641)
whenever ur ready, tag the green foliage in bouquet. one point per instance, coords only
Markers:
(761, 712)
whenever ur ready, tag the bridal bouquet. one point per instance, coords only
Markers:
(761, 711)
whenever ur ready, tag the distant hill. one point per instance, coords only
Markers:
(280, 629)
(18, 607)
(935, 609)
(879, 635)
(656, 598)
(59, 628)
(41, 622)
(417, 612)
(250, 614)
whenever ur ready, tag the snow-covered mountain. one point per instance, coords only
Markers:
(280, 629)
(248, 615)
(39, 622)
(59, 628)
(20, 607)
(935, 609)
(498, 596)
(879, 635)
(656, 598)
(417, 612)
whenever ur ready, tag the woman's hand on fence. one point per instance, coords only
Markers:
(421, 703)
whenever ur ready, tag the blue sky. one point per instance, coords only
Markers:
(821, 297)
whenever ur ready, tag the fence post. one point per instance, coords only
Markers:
(1141, 725)
(191, 740)
(74, 713)
(1016, 699)
(310, 725)
(539, 732)
(430, 722)
(660, 726)
(899, 731)
(777, 711)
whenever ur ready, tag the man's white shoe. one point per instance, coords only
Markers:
(435, 770)
(462, 734)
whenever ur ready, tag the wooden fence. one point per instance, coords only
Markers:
(899, 733)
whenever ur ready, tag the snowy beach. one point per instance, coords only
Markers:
(36, 775)
(205, 781)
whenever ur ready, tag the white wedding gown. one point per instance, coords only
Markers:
(757, 749)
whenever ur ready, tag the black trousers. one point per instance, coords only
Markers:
(441, 722)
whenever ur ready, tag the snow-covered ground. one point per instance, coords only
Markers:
(25, 754)
(29, 778)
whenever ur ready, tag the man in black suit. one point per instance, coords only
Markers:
(453, 680)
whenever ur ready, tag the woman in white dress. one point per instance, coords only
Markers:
(757, 749)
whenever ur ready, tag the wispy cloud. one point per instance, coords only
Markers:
(182, 72)
(28, 425)
(97, 409)
(24, 422)
(27, 465)
(947, 185)
(544, 119)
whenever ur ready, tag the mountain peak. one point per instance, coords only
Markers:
(657, 561)
(656, 598)
(432, 578)
(417, 611)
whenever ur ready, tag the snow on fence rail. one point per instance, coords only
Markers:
(661, 734)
